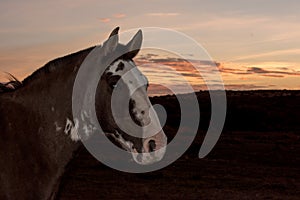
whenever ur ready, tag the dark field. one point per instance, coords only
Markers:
(257, 156)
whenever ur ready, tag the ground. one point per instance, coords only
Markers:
(259, 161)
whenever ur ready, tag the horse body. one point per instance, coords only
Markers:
(39, 135)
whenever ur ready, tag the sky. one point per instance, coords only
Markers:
(254, 44)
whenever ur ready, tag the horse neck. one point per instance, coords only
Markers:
(36, 117)
(49, 97)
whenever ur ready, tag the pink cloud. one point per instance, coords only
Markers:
(119, 15)
(105, 20)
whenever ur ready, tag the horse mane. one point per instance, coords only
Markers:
(54, 65)
(13, 83)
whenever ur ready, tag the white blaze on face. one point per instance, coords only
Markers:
(133, 77)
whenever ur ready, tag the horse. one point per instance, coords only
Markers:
(39, 135)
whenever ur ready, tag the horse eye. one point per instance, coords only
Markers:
(113, 81)
(114, 85)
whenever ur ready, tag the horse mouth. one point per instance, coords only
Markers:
(153, 148)
(148, 158)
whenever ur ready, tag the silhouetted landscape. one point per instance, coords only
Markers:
(256, 157)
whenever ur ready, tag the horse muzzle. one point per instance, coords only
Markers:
(153, 150)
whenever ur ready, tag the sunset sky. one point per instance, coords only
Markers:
(255, 44)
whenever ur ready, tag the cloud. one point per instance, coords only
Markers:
(172, 70)
(177, 71)
(271, 73)
(161, 14)
(105, 20)
(178, 64)
(146, 57)
(157, 89)
(187, 67)
(257, 70)
(119, 15)
(115, 16)
(245, 86)
(229, 70)
(280, 72)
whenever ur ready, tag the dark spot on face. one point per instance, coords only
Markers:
(152, 145)
(113, 80)
(132, 104)
(133, 114)
(120, 66)
(109, 73)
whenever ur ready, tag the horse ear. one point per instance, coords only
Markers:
(112, 42)
(134, 45)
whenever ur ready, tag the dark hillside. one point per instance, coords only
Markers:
(257, 156)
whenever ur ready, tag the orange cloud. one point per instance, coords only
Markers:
(105, 20)
(175, 71)
(119, 15)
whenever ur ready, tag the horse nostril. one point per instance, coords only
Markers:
(152, 145)
(142, 112)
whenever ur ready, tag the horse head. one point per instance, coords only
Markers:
(123, 107)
